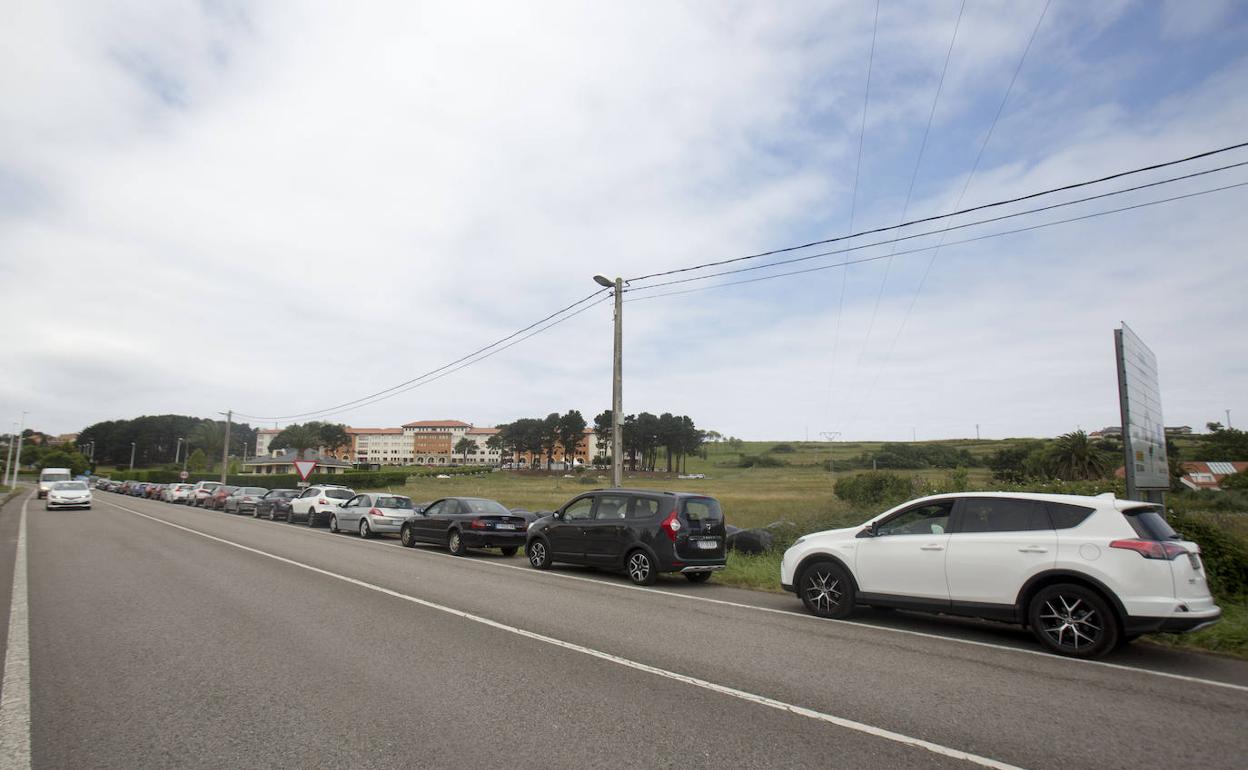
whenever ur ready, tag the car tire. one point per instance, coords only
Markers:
(826, 590)
(406, 537)
(312, 517)
(255, 513)
(640, 568)
(455, 544)
(365, 532)
(510, 550)
(697, 577)
(539, 553)
(1073, 620)
(333, 524)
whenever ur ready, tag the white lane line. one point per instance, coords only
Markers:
(1056, 659)
(761, 700)
(15, 685)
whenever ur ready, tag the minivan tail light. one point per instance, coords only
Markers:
(1151, 549)
(671, 525)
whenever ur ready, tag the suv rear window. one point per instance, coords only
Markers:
(1149, 524)
(339, 494)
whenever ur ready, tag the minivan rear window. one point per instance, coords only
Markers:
(701, 509)
(1149, 524)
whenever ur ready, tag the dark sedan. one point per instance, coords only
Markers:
(461, 523)
(276, 504)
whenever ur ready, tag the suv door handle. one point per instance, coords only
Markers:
(1033, 549)
(931, 547)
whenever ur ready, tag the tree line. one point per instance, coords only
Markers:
(155, 439)
(540, 436)
(645, 434)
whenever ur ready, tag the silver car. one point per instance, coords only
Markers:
(68, 494)
(243, 500)
(372, 513)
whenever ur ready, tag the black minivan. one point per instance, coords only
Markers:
(636, 531)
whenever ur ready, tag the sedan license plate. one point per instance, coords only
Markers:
(504, 526)
(708, 545)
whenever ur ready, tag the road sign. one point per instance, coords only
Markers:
(304, 467)
(184, 475)
(1143, 431)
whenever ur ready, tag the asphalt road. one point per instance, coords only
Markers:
(161, 636)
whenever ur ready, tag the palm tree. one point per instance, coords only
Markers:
(1074, 458)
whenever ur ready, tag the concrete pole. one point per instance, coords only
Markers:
(17, 461)
(225, 445)
(132, 448)
(8, 460)
(617, 391)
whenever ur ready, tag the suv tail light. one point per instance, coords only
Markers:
(1151, 549)
(322, 501)
(671, 525)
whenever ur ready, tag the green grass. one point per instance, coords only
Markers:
(761, 572)
(1229, 637)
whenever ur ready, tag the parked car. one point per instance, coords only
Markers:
(68, 494)
(154, 491)
(102, 482)
(1083, 573)
(138, 489)
(460, 523)
(372, 513)
(217, 498)
(201, 492)
(179, 493)
(243, 500)
(275, 504)
(316, 503)
(124, 489)
(636, 531)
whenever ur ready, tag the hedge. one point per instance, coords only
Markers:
(353, 479)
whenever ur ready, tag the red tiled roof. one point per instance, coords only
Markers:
(482, 431)
(437, 424)
(371, 431)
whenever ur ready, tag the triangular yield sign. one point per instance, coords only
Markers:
(303, 468)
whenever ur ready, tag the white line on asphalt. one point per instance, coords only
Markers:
(761, 700)
(15, 686)
(809, 617)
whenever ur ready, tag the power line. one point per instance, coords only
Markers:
(921, 249)
(947, 215)
(964, 225)
(432, 371)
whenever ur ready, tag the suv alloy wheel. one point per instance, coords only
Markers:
(1072, 620)
(826, 590)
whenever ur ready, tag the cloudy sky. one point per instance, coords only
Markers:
(280, 207)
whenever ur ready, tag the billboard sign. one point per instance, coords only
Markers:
(1143, 432)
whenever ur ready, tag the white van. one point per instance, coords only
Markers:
(49, 476)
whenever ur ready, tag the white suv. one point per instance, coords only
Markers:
(316, 503)
(1084, 573)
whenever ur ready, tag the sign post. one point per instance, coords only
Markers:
(184, 475)
(303, 468)
(1143, 431)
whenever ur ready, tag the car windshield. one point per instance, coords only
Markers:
(70, 485)
(394, 502)
(488, 507)
(339, 494)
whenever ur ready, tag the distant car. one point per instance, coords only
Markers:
(460, 523)
(243, 500)
(216, 500)
(372, 513)
(179, 493)
(154, 491)
(138, 489)
(316, 503)
(102, 482)
(201, 492)
(637, 531)
(1083, 573)
(68, 494)
(276, 504)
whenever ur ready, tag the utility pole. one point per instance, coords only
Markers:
(17, 461)
(225, 445)
(8, 461)
(617, 383)
(1228, 419)
(131, 455)
(977, 431)
(177, 450)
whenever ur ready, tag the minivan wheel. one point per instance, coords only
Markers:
(1072, 620)
(538, 553)
(405, 537)
(826, 590)
(697, 577)
(641, 569)
(455, 544)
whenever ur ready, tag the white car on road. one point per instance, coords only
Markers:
(68, 494)
(1083, 573)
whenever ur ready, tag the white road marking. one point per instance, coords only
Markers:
(761, 700)
(15, 686)
(809, 617)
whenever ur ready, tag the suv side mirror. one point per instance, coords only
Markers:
(871, 530)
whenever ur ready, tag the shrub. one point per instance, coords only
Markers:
(1224, 555)
(783, 449)
(760, 461)
(874, 488)
(1238, 481)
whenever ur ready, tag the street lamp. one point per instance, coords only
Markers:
(617, 382)
(177, 450)
(8, 460)
(225, 445)
(17, 461)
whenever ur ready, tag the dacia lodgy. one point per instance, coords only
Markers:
(635, 531)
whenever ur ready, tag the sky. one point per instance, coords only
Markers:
(278, 208)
